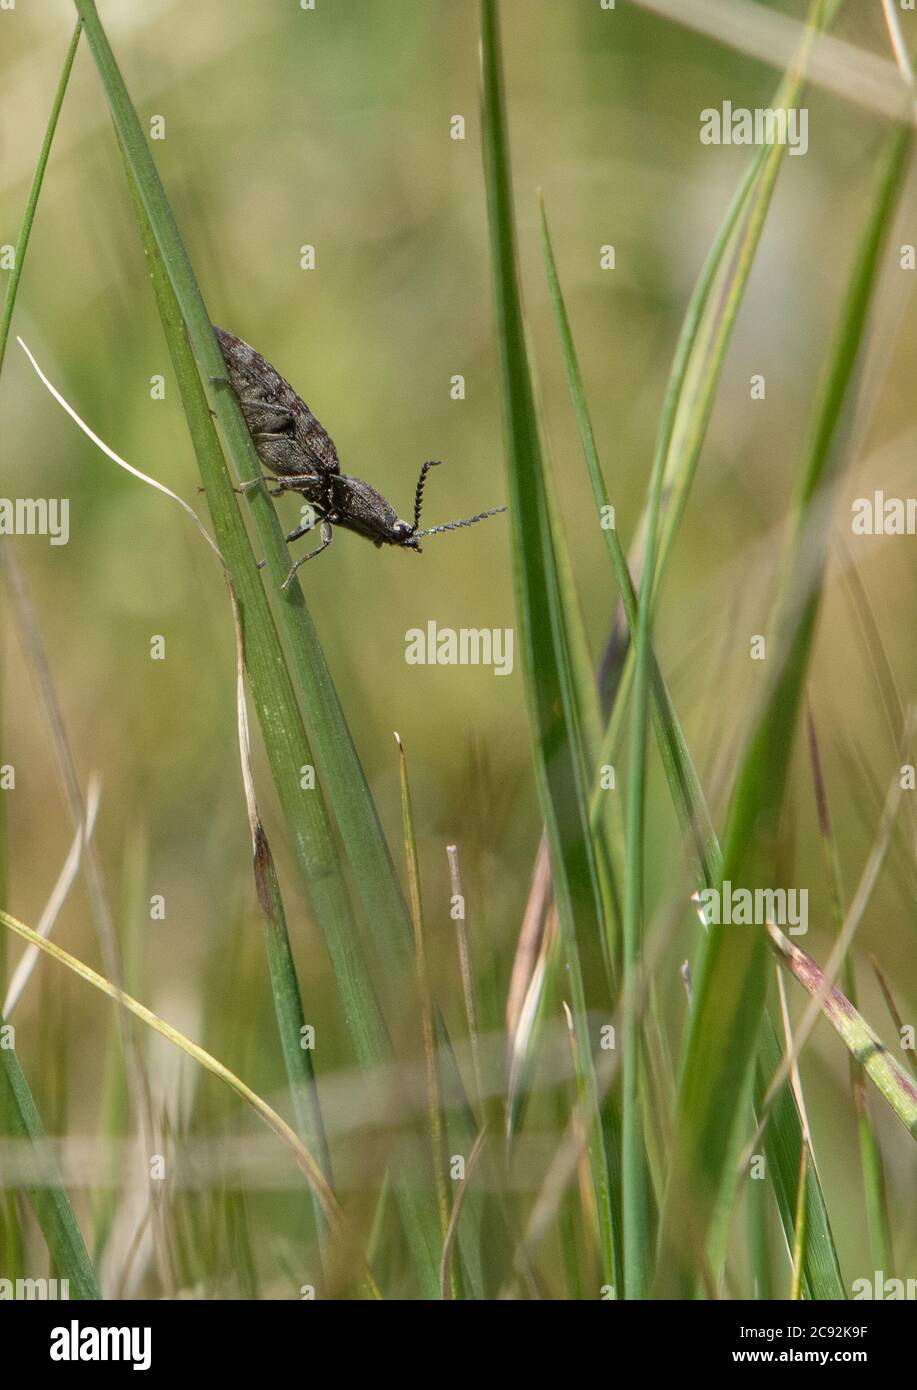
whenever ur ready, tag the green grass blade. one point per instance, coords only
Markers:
(50, 1201)
(731, 981)
(25, 231)
(801, 1231)
(557, 735)
(635, 1195)
(288, 1010)
(584, 695)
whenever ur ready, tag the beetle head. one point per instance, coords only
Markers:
(402, 534)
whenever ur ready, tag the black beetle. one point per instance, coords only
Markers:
(301, 455)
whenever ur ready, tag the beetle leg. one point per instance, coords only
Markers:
(327, 533)
(243, 488)
(302, 530)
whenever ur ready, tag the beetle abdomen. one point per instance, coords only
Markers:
(289, 439)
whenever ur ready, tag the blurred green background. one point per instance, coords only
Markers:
(331, 127)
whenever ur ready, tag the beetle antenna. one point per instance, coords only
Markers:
(421, 482)
(453, 525)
